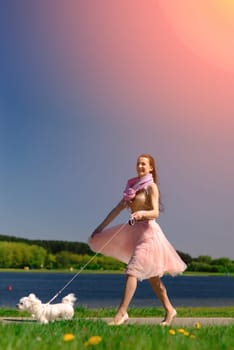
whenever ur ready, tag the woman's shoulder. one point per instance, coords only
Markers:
(153, 188)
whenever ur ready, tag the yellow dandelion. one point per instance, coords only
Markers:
(186, 333)
(172, 331)
(181, 330)
(197, 325)
(192, 336)
(94, 340)
(68, 337)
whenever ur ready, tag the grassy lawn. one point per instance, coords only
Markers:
(82, 312)
(82, 334)
(85, 334)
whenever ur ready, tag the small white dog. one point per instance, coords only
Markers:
(45, 313)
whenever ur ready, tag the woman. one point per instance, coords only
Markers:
(142, 245)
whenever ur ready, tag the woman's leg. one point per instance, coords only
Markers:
(129, 290)
(161, 292)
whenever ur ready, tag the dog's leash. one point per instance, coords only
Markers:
(131, 222)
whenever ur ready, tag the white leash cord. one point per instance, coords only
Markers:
(89, 261)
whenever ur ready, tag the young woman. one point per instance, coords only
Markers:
(140, 244)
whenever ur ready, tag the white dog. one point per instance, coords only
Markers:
(45, 313)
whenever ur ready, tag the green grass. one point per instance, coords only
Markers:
(227, 311)
(105, 271)
(32, 335)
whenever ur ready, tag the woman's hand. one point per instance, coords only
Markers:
(96, 231)
(138, 215)
(110, 217)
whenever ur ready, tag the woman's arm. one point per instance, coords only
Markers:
(153, 212)
(110, 217)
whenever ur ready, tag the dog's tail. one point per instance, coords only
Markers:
(69, 299)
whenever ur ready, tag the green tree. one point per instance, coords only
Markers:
(37, 256)
(206, 259)
(63, 259)
(5, 255)
(185, 257)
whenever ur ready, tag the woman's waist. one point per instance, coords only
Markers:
(132, 221)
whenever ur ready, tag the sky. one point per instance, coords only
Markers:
(87, 86)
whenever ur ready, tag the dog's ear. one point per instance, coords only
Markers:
(32, 296)
(71, 296)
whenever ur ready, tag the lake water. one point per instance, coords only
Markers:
(105, 290)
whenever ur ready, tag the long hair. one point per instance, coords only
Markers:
(155, 177)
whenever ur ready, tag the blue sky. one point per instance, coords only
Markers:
(84, 89)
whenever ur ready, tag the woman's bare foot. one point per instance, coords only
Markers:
(118, 320)
(169, 318)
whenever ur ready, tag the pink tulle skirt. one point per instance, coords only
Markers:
(143, 247)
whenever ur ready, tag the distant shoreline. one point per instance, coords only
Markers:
(74, 271)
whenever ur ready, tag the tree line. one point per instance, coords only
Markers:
(37, 254)
(52, 246)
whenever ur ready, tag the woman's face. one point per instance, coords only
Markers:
(143, 166)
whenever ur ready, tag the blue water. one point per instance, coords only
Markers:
(105, 290)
